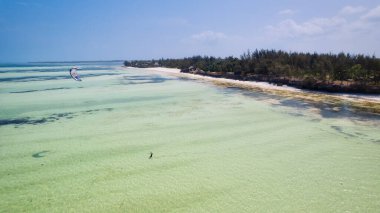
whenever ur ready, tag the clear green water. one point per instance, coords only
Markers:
(68, 146)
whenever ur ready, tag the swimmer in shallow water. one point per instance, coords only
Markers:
(151, 155)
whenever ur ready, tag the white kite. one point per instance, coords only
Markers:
(74, 74)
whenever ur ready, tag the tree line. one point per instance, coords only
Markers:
(341, 72)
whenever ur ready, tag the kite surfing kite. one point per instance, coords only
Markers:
(74, 74)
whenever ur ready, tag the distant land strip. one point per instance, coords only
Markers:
(338, 73)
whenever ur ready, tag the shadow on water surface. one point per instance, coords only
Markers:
(48, 89)
(21, 121)
(325, 108)
(354, 134)
(340, 130)
(40, 154)
(49, 119)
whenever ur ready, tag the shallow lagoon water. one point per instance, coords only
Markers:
(70, 146)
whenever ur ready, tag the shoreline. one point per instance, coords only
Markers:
(369, 103)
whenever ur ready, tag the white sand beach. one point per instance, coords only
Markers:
(267, 87)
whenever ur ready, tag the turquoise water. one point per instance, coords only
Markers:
(68, 146)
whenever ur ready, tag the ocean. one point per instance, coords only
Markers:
(70, 146)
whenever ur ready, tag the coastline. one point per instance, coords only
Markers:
(363, 102)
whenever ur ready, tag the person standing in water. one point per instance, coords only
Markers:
(151, 155)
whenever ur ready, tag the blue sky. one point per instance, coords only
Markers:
(55, 30)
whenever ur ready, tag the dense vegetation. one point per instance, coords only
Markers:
(330, 72)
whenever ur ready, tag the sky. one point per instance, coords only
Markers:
(72, 30)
